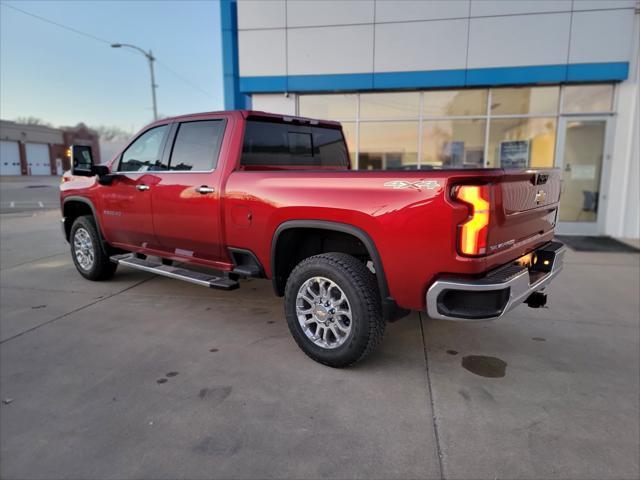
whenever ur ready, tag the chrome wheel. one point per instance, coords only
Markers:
(323, 312)
(83, 249)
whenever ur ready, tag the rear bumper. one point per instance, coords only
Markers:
(497, 293)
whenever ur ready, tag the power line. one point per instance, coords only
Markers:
(184, 79)
(71, 29)
(102, 40)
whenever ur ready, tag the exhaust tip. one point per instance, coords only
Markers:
(536, 300)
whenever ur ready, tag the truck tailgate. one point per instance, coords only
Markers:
(525, 204)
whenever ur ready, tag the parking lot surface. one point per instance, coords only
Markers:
(146, 377)
(28, 193)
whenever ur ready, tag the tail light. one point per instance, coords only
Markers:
(472, 234)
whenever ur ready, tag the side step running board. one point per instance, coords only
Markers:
(247, 271)
(199, 278)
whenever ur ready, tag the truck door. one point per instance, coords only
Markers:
(186, 199)
(126, 202)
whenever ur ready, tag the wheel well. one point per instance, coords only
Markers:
(295, 244)
(72, 210)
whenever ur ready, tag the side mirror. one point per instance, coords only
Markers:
(82, 161)
(83, 166)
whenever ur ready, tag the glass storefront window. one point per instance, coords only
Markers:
(453, 143)
(522, 124)
(328, 107)
(381, 106)
(522, 101)
(445, 103)
(388, 145)
(587, 98)
(582, 161)
(522, 142)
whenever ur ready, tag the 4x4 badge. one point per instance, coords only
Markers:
(418, 185)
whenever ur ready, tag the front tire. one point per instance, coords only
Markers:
(86, 250)
(333, 309)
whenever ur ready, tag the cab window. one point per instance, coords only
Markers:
(145, 153)
(274, 144)
(197, 145)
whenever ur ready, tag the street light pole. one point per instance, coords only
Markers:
(153, 85)
(151, 59)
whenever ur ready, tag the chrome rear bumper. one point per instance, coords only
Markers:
(501, 290)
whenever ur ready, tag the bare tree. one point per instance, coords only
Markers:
(111, 133)
(32, 121)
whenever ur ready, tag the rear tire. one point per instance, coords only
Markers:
(86, 250)
(333, 309)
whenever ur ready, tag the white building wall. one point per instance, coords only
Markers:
(487, 8)
(310, 13)
(421, 44)
(330, 50)
(261, 52)
(517, 40)
(404, 10)
(274, 103)
(623, 201)
(603, 34)
(319, 37)
(253, 14)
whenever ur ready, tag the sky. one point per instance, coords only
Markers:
(65, 78)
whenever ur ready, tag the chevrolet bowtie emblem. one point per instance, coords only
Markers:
(541, 196)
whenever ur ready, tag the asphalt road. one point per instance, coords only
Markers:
(146, 377)
(29, 193)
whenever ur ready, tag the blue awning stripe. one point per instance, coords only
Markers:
(525, 75)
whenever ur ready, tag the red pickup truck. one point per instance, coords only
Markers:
(214, 197)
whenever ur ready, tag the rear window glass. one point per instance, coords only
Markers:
(285, 144)
(197, 145)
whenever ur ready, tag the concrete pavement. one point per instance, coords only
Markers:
(148, 377)
(28, 193)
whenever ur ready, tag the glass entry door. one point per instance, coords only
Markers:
(582, 157)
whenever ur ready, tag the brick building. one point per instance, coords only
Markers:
(41, 150)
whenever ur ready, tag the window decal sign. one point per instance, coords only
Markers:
(514, 154)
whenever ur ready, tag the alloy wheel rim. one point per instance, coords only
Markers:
(83, 248)
(324, 312)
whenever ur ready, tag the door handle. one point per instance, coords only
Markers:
(204, 190)
(142, 187)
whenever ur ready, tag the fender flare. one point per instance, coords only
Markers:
(86, 201)
(360, 234)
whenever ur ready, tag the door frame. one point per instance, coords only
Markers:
(587, 228)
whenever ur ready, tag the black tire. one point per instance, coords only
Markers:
(101, 268)
(361, 289)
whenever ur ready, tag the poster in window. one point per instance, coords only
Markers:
(453, 154)
(514, 154)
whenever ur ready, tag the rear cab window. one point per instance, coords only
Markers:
(196, 146)
(269, 143)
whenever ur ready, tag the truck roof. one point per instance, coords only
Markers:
(252, 113)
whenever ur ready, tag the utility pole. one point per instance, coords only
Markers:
(151, 59)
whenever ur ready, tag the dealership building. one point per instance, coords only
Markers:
(458, 84)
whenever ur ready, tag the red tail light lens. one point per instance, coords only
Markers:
(472, 234)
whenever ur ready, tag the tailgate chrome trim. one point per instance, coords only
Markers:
(520, 287)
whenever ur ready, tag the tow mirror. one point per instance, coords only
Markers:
(82, 161)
